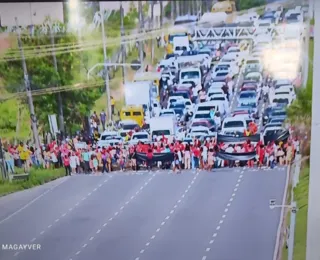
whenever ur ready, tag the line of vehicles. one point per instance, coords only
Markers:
(190, 93)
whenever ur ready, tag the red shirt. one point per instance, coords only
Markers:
(196, 152)
(66, 161)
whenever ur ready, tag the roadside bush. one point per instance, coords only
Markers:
(37, 177)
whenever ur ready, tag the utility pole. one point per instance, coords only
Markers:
(106, 72)
(59, 97)
(178, 10)
(3, 167)
(140, 31)
(123, 48)
(152, 27)
(161, 14)
(171, 9)
(28, 90)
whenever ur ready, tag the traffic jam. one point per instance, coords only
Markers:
(217, 99)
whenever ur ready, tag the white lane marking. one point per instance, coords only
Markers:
(84, 245)
(223, 216)
(100, 185)
(153, 237)
(171, 211)
(233, 194)
(127, 202)
(175, 206)
(226, 210)
(214, 235)
(95, 189)
(162, 223)
(211, 241)
(231, 199)
(208, 249)
(105, 224)
(239, 180)
(221, 221)
(179, 201)
(57, 220)
(137, 258)
(116, 213)
(33, 239)
(186, 190)
(237, 185)
(132, 197)
(49, 226)
(110, 219)
(142, 251)
(147, 244)
(63, 215)
(240, 176)
(235, 189)
(218, 227)
(183, 196)
(122, 208)
(78, 252)
(167, 217)
(204, 258)
(99, 230)
(228, 205)
(41, 232)
(77, 204)
(70, 209)
(16, 253)
(89, 193)
(137, 192)
(32, 201)
(158, 230)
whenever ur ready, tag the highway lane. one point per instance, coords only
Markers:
(250, 227)
(139, 221)
(67, 230)
(186, 232)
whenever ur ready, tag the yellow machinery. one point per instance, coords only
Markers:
(134, 113)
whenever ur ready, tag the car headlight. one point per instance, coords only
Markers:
(266, 117)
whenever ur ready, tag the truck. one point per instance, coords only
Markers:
(162, 126)
(138, 93)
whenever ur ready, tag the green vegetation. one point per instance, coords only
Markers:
(301, 196)
(72, 69)
(247, 4)
(37, 177)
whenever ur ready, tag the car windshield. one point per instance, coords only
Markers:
(222, 74)
(206, 108)
(281, 100)
(279, 113)
(282, 93)
(202, 116)
(107, 137)
(224, 67)
(217, 98)
(273, 132)
(160, 132)
(166, 113)
(233, 50)
(177, 106)
(232, 124)
(129, 126)
(199, 124)
(180, 94)
(190, 75)
(248, 95)
(140, 136)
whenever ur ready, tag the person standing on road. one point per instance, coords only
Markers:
(149, 159)
(112, 106)
(66, 163)
(103, 117)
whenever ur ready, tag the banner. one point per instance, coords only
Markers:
(157, 157)
(238, 138)
(277, 136)
(236, 156)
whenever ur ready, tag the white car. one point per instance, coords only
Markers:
(281, 99)
(232, 58)
(233, 68)
(233, 125)
(174, 99)
(242, 54)
(167, 112)
(214, 91)
(220, 97)
(199, 131)
(284, 89)
(139, 137)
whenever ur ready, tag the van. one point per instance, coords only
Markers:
(216, 105)
(134, 113)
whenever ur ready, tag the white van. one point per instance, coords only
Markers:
(233, 124)
(190, 74)
(216, 105)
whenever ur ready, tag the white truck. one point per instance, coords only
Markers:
(162, 126)
(139, 94)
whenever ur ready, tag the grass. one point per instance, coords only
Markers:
(310, 69)
(301, 197)
(37, 177)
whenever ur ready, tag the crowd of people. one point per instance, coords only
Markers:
(194, 155)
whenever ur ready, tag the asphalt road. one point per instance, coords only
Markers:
(221, 215)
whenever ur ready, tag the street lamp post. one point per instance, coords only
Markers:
(105, 66)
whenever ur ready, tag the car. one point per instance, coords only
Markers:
(248, 97)
(221, 76)
(253, 68)
(203, 115)
(247, 117)
(139, 137)
(167, 112)
(242, 54)
(254, 76)
(278, 113)
(251, 109)
(200, 129)
(251, 86)
(269, 112)
(220, 97)
(233, 125)
(220, 71)
(233, 68)
(210, 124)
(271, 125)
(174, 99)
(182, 93)
(179, 109)
(214, 91)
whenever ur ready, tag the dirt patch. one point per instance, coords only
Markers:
(5, 42)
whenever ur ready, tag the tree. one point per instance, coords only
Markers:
(247, 4)
(42, 74)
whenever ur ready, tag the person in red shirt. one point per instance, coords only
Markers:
(149, 159)
(66, 163)
(196, 156)
(261, 155)
(250, 149)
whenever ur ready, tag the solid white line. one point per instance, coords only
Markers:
(137, 192)
(276, 247)
(31, 202)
